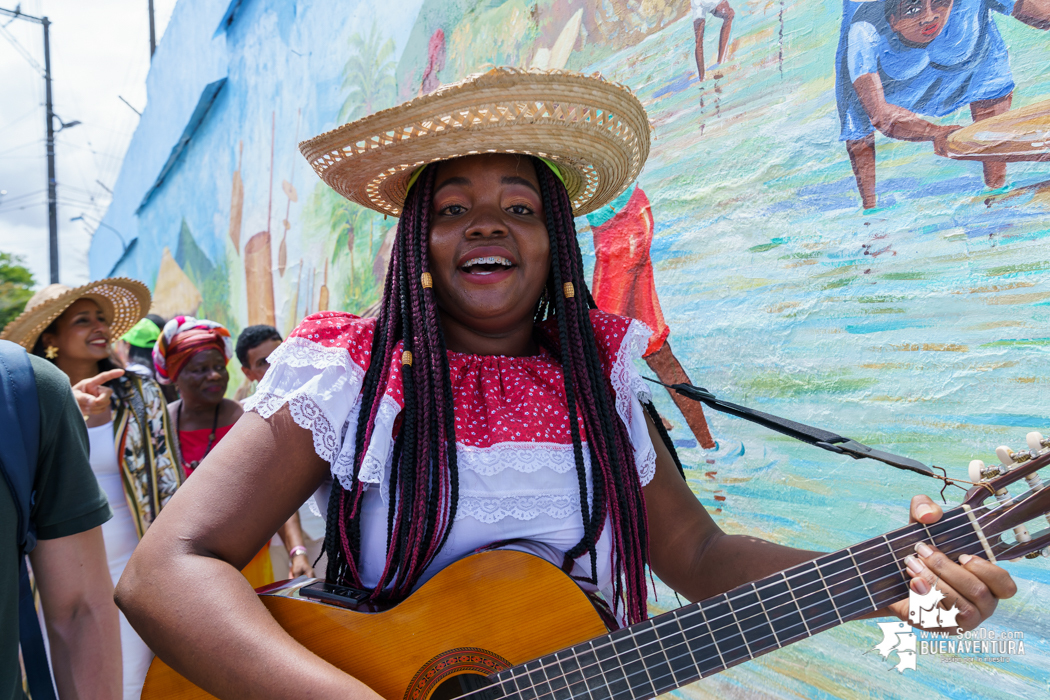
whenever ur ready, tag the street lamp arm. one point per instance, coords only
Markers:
(122, 241)
(65, 125)
(83, 217)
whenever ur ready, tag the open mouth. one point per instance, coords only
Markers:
(486, 265)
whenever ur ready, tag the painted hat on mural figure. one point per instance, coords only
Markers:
(123, 302)
(593, 133)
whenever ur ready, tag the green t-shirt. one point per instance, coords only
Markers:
(69, 501)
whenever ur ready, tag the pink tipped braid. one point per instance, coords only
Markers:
(617, 490)
(424, 484)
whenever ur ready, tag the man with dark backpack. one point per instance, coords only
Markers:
(51, 509)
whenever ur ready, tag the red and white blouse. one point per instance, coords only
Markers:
(517, 473)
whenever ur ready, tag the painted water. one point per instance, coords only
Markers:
(922, 327)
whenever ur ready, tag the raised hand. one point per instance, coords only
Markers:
(92, 397)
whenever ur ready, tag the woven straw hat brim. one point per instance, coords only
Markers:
(123, 301)
(597, 132)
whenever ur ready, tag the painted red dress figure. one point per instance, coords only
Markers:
(623, 284)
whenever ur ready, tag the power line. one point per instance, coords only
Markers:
(8, 199)
(52, 193)
(22, 145)
(22, 50)
(11, 123)
(24, 206)
(121, 98)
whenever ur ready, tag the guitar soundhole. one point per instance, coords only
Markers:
(454, 687)
(454, 673)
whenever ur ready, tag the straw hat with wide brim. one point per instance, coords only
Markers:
(123, 302)
(595, 131)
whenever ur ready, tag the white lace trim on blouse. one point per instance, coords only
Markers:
(630, 392)
(322, 387)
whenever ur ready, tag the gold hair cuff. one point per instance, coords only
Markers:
(406, 358)
(569, 290)
(426, 280)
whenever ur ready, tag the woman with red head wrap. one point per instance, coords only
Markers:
(192, 354)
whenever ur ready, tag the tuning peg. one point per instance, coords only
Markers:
(1036, 442)
(1009, 458)
(976, 470)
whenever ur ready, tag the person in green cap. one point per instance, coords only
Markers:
(136, 346)
(135, 350)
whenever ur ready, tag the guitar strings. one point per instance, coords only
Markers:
(776, 644)
(911, 529)
(644, 656)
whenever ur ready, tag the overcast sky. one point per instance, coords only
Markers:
(99, 53)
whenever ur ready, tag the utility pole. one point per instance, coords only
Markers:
(152, 32)
(52, 194)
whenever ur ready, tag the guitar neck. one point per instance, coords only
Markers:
(698, 640)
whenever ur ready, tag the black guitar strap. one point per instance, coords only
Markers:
(806, 433)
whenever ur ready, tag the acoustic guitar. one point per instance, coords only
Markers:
(504, 624)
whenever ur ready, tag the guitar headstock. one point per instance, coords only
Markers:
(998, 511)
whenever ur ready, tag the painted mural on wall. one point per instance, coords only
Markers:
(820, 231)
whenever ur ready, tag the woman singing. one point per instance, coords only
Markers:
(489, 401)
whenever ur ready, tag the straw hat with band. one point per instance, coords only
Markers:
(593, 133)
(123, 302)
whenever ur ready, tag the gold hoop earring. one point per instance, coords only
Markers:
(51, 352)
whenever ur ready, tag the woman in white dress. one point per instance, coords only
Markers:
(132, 454)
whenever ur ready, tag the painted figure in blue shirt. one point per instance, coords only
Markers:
(898, 59)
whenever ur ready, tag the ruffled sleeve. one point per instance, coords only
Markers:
(318, 372)
(620, 342)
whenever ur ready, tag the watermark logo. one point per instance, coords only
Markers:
(924, 611)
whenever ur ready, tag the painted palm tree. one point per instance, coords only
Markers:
(368, 76)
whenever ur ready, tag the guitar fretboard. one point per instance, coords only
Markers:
(698, 640)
